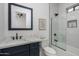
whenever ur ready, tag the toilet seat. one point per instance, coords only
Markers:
(49, 51)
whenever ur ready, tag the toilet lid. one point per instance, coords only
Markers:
(50, 50)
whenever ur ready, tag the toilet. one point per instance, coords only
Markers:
(48, 51)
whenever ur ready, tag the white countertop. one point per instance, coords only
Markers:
(12, 43)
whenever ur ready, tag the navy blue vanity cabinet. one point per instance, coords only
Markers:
(16, 51)
(21, 51)
(35, 49)
(31, 49)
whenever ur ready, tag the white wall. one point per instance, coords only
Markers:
(1, 22)
(40, 10)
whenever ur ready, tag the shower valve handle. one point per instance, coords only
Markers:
(55, 40)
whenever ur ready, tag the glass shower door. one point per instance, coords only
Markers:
(58, 35)
(61, 41)
(57, 26)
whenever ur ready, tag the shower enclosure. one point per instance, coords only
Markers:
(57, 26)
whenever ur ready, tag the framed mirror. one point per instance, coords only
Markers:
(19, 17)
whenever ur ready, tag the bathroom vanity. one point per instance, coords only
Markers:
(31, 49)
(19, 48)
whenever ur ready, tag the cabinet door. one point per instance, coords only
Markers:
(34, 49)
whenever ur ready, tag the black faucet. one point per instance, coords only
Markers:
(13, 37)
(16, 37)
(55, 38)
(55, 34)
(20, 37)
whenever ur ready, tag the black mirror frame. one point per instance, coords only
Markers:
(9, 17)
